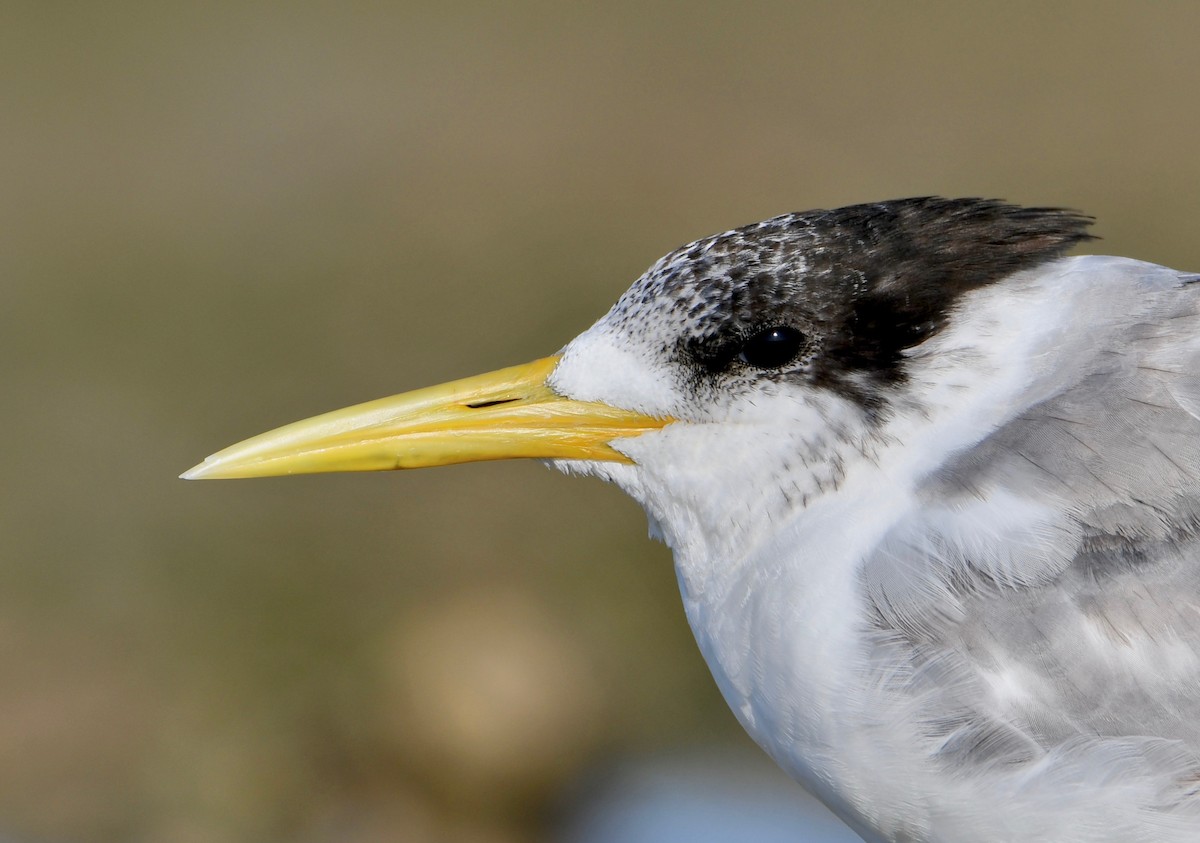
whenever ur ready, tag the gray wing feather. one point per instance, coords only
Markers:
(1079, 621)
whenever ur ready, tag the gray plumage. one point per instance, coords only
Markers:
(1116, 450)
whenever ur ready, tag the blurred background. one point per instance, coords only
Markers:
(220, 217)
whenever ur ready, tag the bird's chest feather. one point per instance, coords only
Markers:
(783, 632)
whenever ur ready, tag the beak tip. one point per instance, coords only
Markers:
(197, 472)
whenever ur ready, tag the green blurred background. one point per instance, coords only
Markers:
(220, 217)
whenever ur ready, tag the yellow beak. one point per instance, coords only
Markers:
(505, 414)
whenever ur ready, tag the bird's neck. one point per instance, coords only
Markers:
(782, 630)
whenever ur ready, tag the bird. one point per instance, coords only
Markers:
(932, 489)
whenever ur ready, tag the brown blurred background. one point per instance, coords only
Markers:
(219, 217)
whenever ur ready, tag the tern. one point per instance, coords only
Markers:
(932, 488)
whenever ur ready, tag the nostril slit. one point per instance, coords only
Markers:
(478, 405)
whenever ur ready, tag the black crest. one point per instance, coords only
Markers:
(915, 258)
(863, 283)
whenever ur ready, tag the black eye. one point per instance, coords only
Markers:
(772, 348)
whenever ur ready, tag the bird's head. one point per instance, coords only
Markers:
(734, 381)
